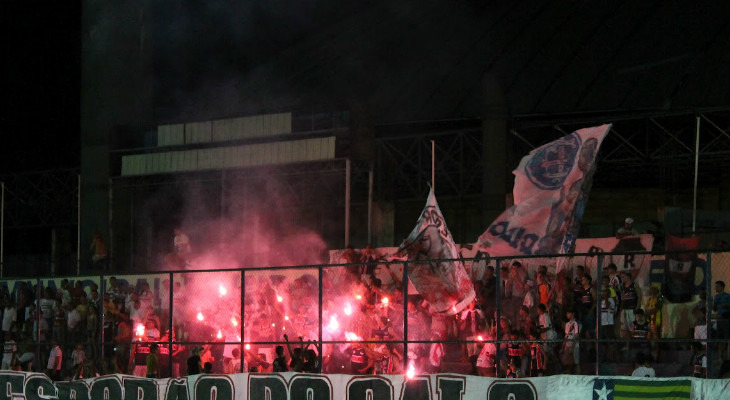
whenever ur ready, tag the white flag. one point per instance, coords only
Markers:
(444, 284)
(551, 188)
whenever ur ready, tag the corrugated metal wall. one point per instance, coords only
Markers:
(291, 151)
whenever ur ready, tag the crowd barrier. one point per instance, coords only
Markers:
(335, 306)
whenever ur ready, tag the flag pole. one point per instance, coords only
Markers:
(697, 162)
(433, 166)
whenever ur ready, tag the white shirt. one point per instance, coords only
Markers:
(545, 322)
(73, 319)
(529, 300)
(55, 359)
(572, 329)
(607, 311)
(9, 317)
(47, 306)
(644, 372)
(9, 348)
(487, 356)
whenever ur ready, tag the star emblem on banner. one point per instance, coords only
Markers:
(603, 393)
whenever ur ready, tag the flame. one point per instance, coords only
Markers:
(200, 316)
(234, 321)
(385, 301)
(139, 329)
(348, 309)
(222, 290)
(480, 338)
(286, 318)
(273, 324)
(350, 336)
(411, 372)
(279, 298)
(333, 325)
(357, 296)
(248, 346)
(219, 335)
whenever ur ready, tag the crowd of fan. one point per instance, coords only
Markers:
(546, 324)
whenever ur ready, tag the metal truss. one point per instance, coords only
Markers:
(403, 164)
(41, 199)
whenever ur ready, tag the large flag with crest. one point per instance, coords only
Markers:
(434, 265)
(551, 189)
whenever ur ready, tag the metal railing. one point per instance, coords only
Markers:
(352, 314)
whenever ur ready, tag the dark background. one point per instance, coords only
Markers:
(39, 117)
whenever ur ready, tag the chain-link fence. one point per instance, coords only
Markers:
(580, 314)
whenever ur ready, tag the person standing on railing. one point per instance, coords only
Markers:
(627, 230)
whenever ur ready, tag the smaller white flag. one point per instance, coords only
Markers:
(444, 284)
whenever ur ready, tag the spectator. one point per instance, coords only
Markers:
(538, 356)
(78, 360)
(699, 360)
(654, 315)
(643, 367)
(569, 354)
(208, 368)
(630, 300)
(100, 251)
(518, 353)
(236, 367)
(471, 325)
(607, 331)
(26, 354)
(543, 288)
(181, 242)
(640, 333)
(529, 299)
(486, 362)
(194, 365)
(626, 230)
(279, 362)
(10, 317)
(55, 361)
(614, 280)
(10, 350)
(721, 301)
(152, 362)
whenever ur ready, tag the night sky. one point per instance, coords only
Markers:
(39, 119)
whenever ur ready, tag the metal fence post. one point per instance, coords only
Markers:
(320, 270)
(498, 294)
(708, 315)
(405, 315)
(243, 318)
(170, 327)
